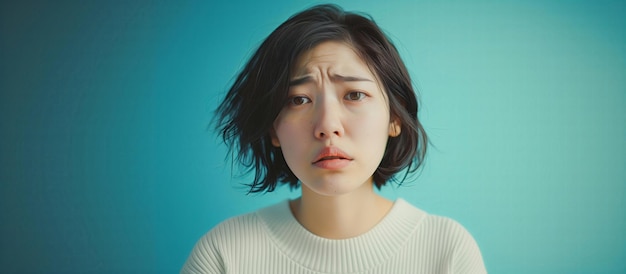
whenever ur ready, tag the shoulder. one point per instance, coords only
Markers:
(233, 228)
(236, 231)
(432, 225)
(443, 232)
(224, 243)
(208, 255)
(447, 227)
(450, 240)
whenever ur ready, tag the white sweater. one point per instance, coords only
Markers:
(271, 240)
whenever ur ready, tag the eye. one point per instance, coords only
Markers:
(355, 96)
(298, 100)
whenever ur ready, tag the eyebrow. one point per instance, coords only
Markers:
(342, 78)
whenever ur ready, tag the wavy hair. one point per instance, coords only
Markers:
(246, 115)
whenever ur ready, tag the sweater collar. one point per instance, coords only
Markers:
(345, 255)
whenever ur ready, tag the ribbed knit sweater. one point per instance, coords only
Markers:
(406, 240)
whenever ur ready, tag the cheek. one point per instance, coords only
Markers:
(289, 134)
(292, 144)
(371, 125)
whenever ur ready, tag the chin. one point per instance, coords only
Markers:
(333, 188)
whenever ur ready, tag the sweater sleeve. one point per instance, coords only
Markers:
(205, 257)
(466, 257)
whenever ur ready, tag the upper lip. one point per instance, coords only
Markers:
(331, 153)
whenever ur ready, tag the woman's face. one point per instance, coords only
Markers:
(334, 128)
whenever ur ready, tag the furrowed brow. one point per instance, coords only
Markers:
(350, 78)
(300, 81)
(336, 77)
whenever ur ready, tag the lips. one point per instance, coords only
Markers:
(332, 158)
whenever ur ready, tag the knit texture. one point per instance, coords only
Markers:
(407, 240)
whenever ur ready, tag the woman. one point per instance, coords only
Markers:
(326, 105)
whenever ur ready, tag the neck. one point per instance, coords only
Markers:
(342, 216)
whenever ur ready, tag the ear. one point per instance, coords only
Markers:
(275, 141)
(395, 127)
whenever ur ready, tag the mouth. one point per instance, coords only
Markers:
(331, 153)
(330, 158)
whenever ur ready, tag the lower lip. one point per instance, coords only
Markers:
(332, 164)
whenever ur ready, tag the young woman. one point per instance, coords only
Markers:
(326, 105)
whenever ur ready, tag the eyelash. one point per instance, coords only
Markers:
(292, 100)
(361, 94)
(301, 98)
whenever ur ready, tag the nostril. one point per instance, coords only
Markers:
(328, 133)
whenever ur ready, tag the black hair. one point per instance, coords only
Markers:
(245, 117)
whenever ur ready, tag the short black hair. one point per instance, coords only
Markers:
(246, 115)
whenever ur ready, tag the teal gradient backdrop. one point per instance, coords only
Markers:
(107, 166)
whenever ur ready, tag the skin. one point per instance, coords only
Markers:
(336, 104)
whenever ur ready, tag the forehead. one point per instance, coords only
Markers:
(333, 57)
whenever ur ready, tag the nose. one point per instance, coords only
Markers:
(328, 120)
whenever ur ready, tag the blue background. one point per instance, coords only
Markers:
(107, 165)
